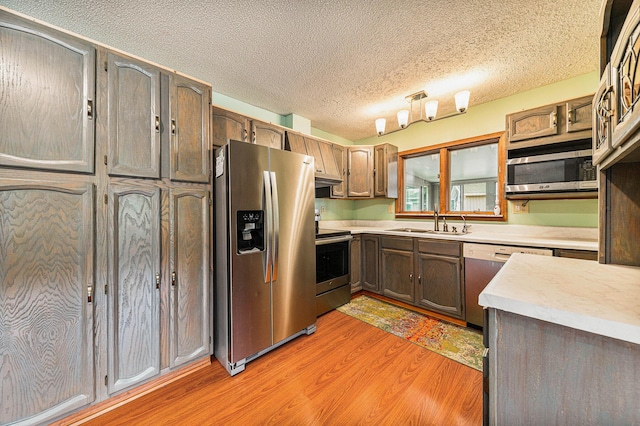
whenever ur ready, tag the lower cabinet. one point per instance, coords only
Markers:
(190, 269)
(136, 279)
(440, 284)
(370, 263)
(355, 269)
(46, 309)
(396, 268)
(423, 272)
(133, 292)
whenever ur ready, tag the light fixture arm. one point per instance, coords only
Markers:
(426, 121)
(462, 105)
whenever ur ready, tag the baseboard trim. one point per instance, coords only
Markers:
(105, 406)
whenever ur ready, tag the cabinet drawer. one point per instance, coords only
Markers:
(446, 248)
(398, 243)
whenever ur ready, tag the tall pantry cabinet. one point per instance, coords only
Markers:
(104, 221)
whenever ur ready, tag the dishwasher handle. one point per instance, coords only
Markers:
(501, 257)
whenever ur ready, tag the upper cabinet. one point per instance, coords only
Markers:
(38, 129)
(616, 140)
(190, 104)
(326, 167)
(385, 172)
(267, 134)
(360, 171)
(134, 117)
(230, 125)
(561, 122)
(338, 191)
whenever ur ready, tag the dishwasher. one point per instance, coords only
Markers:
(481, 263)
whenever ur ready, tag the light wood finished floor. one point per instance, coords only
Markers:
(346, 373)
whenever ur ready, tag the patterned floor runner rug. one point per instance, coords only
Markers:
(452, 341)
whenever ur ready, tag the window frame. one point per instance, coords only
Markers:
(444, 150)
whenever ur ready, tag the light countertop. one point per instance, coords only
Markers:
(581, 294)
(517, 235)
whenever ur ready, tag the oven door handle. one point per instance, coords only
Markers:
(323, 241)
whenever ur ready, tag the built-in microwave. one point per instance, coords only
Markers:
(567, 171)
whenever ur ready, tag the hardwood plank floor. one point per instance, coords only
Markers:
(346, 373)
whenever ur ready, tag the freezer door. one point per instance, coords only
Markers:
(249, 294)
(293, 289)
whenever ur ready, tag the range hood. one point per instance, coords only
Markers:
(326, 167)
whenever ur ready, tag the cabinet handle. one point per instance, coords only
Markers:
(411, 276)
(420, 279)
(173, 127)
(157, 280)
(570, 115)
(554, 119)
(253, 135)
(173, 279)
(244, 134)
(89, 294)
(90, 109)
(157, 124)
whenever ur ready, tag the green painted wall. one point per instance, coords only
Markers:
(479, 120)
(488, 118)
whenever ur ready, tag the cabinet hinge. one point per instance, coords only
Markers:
(105, 289)
(106, 199)
(105, 160)
(106, 378)
(106, 67)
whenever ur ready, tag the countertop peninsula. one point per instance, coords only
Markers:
(581, 294)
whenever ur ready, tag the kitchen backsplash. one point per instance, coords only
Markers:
(571, 213)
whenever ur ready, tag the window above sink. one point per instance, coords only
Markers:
(460, 178)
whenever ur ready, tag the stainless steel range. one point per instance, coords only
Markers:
(333, 278)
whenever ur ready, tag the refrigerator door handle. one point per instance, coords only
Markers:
(276, 227)
(267, 202)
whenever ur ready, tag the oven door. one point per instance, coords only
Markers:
(332, 262)
(565, 171)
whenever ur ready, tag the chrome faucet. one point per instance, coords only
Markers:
(465, 227)
(436, 225)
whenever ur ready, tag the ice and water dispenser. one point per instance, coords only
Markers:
(250, 231)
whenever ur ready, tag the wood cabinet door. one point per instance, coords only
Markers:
(360, 171)
(313, 149)
(396, 274)
(134, 117)
(602, 115)
(190, 103)
(533, 123)
(190, 275)
(440, 284)
(46, 318)
(329, 160)
(267, 134)
(370, 263)
(340, 154)
(579, 114)
(47, 99)
(356, 264)
(295, 143)
(133, 292)
(380, 170)
(229, 125)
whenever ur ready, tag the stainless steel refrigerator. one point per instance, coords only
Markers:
(265, 251)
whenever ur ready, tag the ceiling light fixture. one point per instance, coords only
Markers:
(430, 110)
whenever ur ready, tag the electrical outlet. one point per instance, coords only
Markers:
(521, 207)
(321, 209)
(390, 208)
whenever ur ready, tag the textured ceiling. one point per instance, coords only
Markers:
(343, 63)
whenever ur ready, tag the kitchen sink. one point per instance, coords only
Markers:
(424, 231)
